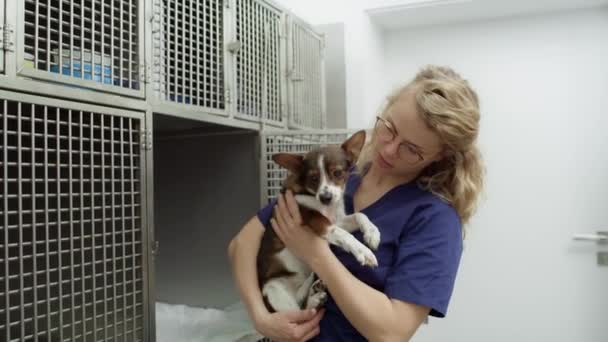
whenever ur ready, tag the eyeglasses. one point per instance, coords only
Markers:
(386, 133)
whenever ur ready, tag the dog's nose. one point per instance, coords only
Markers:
(325, 198)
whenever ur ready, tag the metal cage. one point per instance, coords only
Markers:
(72, 237)
(189, 63)
(259, 82)
(290, 141)
(306, 76)
(92, 44)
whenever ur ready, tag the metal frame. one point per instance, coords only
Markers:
(2, 36)
(291, 141)
(150, 234)
(10, 31)
(32, 196)
(76, 65)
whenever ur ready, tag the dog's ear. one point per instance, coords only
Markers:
(290, 161)
(353, 145)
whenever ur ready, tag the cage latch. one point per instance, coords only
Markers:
(6, 38)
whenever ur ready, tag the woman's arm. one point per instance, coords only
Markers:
(370, 311)
(242, 252)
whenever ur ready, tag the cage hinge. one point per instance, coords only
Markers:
(6, 38)
(228, 95)
(146, 140)
(155, 247)
(227, 3)
(156, 17)
(144, 73)
(282, 28)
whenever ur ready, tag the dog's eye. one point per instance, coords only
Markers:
(338, 173)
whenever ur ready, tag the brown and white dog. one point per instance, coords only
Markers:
(317, 180)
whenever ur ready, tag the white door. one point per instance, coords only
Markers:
(543, 87)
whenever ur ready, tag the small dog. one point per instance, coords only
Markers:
(317, 180)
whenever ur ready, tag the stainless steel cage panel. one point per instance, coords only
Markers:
(2, 30)
(258, 62)
(306, 76)
(189, 65)
(94, 44)
(72, 246)
(290, 141)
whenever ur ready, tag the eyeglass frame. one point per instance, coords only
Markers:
(394, 134)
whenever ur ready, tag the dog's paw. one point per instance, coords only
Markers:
(372, 237)
(366, 257)
(318, 286)
(371, 233)
(316, 300)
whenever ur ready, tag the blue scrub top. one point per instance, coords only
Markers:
(418, 256)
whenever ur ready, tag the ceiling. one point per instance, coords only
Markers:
(392, 15)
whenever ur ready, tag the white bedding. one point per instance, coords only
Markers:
(182, 323)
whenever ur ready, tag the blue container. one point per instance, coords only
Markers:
(88, 75)
(91, 68)
(180, 99)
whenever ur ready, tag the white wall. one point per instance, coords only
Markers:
(543, 84)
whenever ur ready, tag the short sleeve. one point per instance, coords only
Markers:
(427, 261)
(265, 213)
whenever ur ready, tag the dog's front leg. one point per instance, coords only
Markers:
(309, 202)
(371, 234)
(304, 289)
(317, 295)
(341, 238)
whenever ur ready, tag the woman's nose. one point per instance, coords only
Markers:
(391, 148)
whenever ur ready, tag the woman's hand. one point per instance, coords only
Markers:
(299, 239)
(290, 325)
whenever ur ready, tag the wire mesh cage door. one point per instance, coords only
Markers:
(188, 44)
(71, 238)
(306, 77)
(91, 44)
(290, 141)
(259, 82)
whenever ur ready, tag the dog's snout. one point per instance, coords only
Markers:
(325, 198)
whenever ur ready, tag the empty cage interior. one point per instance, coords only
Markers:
(71, 253)
(206, 186)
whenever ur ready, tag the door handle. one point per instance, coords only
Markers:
(599, 237)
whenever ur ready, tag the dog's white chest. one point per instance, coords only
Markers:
(292, 263)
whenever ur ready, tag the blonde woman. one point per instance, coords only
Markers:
(418, 180)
